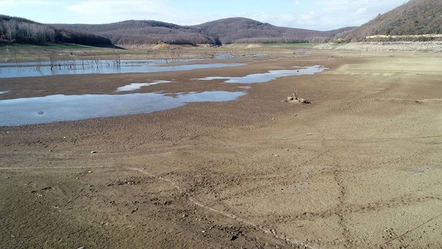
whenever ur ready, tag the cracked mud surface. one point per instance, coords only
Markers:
(359, 167)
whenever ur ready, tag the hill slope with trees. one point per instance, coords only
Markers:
(243, 30)
(410, 20)
(132, 32)
(144, 32)
(224, 31)
(20, 30)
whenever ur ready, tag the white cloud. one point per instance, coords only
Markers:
(361, 11)
(117, 10)
(17, 3)
(101, 7)
(312, 14)
(327, 14)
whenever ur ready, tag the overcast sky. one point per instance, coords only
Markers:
(309, 14)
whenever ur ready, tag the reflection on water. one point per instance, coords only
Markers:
(53, 108)
(269, 76)
(136, 86)
(3, 92)
(31, 69)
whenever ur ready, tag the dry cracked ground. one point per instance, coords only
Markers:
(358, 167)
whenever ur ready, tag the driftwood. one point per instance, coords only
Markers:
(295, 99)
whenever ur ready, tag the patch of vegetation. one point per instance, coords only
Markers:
(417, 17)
(18, 47)
(20, 30)
(219, 32)
(304, 44)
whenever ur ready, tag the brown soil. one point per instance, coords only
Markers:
(359, 167)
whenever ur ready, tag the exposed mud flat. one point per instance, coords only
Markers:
(430, 46)
(360, 167)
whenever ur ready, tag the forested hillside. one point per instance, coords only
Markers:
(144, 32)
(20, 30)
(219, 32)
(243, 30)
(417, 17)
(224, 31)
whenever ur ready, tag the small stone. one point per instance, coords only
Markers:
(93, 152)
(185, 215)
(83, 247)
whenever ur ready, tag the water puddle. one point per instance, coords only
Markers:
(245, 87)
(223, 56)
(303, 52)
(32, 69)
(137, 86)
(426, 170)
(269, 76)
(54, 108)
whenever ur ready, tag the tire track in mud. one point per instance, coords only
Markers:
(337, 175)
(335, 170)
(412, 229)
(263, 229)
(349, 209)
(60, 167)
(342, 210)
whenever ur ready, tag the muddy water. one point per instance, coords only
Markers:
(266, 77)
(54, 108)
(137, 86)
(31, 69)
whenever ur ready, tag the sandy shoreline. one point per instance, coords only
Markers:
(359, 167)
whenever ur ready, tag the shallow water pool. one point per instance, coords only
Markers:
(269, 76)
(137, 86)
(30, 69)
(54, 108)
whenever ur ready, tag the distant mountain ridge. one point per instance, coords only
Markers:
(143, 32)
(135, 32)
(243, 30)
(219, 32)
(414, 20)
